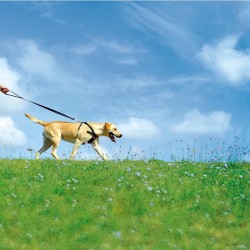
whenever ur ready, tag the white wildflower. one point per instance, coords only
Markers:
(138, 174)
(118, 234)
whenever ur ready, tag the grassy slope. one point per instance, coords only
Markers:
(51, 204)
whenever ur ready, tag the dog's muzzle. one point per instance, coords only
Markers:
(112, 136)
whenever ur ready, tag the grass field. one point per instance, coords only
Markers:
(50, 204)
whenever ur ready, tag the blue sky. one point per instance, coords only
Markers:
(163, 72)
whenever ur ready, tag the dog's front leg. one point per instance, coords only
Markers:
(98, 149)
(75, 149)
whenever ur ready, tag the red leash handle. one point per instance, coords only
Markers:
(4, 89)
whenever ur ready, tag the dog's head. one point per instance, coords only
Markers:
(112, 132)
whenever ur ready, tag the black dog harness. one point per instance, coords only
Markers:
(92, 132)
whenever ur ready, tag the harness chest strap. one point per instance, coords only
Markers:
(94, 135)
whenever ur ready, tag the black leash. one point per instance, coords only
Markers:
(94, 136)
(40, 105)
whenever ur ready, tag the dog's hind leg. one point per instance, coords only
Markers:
(55, 144)
(47, 143)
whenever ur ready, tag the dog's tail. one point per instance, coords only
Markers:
(34, 119)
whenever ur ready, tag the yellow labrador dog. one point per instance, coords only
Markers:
(77, 133)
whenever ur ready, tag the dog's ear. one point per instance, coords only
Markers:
(107, 125)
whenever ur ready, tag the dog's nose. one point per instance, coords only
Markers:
(120, 136)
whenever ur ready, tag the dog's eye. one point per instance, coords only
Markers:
(115, 129)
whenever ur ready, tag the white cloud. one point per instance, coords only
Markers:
(125, 61)
(7, 74)
(10, 133)
(112, 46)
(188, 79)
(121, 54)
(232, 64)
(117, 47)
(83, 50)
(138, 128)
(138, 83)
(244, 13)
(10, 78)
(166, 24)
(118, 52)
(194, 122)
(46, 10)
(39, 62)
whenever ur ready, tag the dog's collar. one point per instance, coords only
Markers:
(92, 132)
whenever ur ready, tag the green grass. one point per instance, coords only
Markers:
(50, 204)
